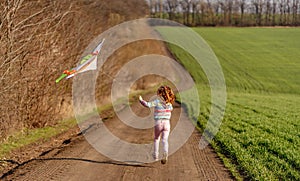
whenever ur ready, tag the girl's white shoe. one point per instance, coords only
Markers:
(155, 157)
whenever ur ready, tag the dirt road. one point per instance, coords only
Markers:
(78, 160)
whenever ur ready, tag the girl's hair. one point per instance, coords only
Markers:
(166, 93)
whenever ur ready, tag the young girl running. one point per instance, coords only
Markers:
(162, 114)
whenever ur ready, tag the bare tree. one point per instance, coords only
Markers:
(201, 12)
(172, 6)
(288, 12)
(223, 12)
(158, 8)
(38, 40)
(295, 8)
(217, 12)
(13, 54)
(212, 12)
(194, 4)
(282, 11)
(161, 8)
(230, 10)
(268, 12)
(152, 7)
(258, 4)
(274, 12)
(242, 5)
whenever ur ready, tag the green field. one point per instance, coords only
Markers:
(260, 133)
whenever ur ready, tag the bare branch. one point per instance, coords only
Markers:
(30, 17)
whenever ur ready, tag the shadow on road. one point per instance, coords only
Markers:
(110, 162)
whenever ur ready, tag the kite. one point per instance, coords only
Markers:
(89, 62)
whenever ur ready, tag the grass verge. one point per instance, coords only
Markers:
(29, 136)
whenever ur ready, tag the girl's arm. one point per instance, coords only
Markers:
(145, 103)
(169, 106)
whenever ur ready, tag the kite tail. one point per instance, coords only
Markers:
(61, 77)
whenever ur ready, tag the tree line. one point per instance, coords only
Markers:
(228, 12)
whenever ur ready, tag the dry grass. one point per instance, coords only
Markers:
(40, 39)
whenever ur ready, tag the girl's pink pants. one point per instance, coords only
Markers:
(161, 129)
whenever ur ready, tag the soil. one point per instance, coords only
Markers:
(70, 157)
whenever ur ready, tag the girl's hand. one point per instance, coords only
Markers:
(140, 98)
